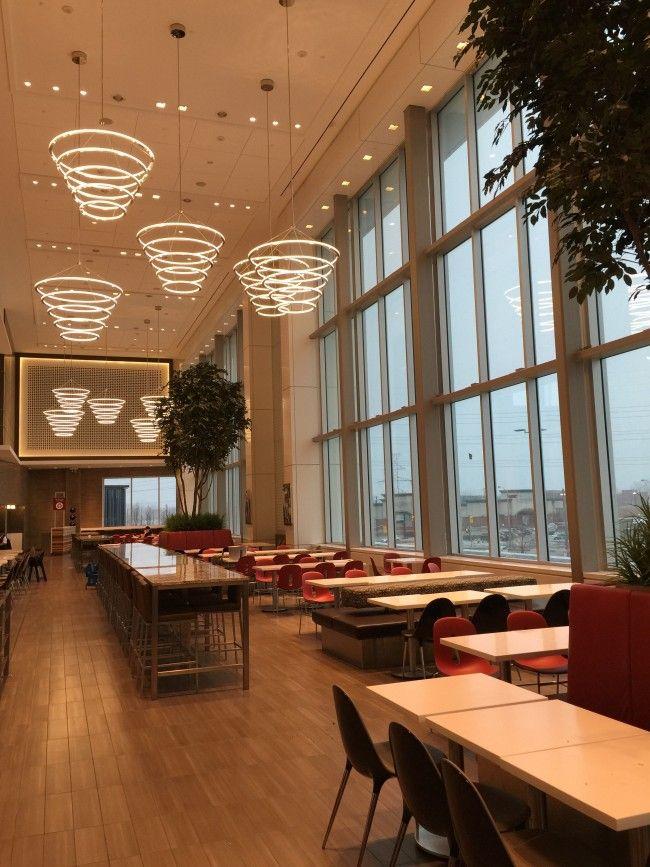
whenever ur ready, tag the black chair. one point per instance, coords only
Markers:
(423, 632)
(36, 567)
(423, 794)
(480, 842)
(556, 612)
(491, 614)
(371, 760)
(376, 571)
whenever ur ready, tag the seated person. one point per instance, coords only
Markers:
(5, 542)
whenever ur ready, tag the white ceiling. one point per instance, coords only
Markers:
(355, 67)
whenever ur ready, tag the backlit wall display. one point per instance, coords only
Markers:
(38, 375)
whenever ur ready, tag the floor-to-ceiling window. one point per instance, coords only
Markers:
(230, 497)
(138, 500)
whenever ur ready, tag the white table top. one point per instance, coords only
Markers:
(495, 732)
(387, 580)
(606, 780)
(421, 600)
(273, 551)
(405, 560)
(445, 695)
(306, 567)
(529, 591)
(501, 646)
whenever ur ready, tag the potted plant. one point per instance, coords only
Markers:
(631, 548)
(201, 421)
(574, 73)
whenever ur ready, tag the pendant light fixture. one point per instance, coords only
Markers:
(106, 409)
(102, 168)
(288, 273)
(146, 428)
(150, 401)
(64, 420)
(180, 250)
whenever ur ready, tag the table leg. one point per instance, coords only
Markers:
(275, 607)
(455, 753)
(638, 840)
(506, 671)
(245, 636)
(154, 642)
(410, 627)
(538, 814)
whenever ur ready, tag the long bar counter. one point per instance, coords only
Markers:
(162, 571)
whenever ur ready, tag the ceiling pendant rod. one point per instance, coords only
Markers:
(178, 114)
(291, 191)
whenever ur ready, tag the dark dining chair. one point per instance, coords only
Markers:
(491, 614)
(480, 842)
(556, 611)
(432, 564)
(423, 632)
(423, 794)
(372, 760)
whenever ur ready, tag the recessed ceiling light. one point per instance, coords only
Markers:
(182, 108)
(138, 195)
(297, 125)
(53, 246)
(367, 157)
(35, 183)
(161, 104)
(68, 248)
(39, 246)
(248, 207)
(192, 299)
(27, 83)
(460, 46)
(83, 93)
(231, 205)
(53, 184)
(426, 88)
(309, 226)
(127, 294)
(276, 123)
(345, 183)
(324, 207)
(389, 189)
(155, 196)
(56, 88)
(252, 119)
(122, 252)
(137, 254)
(217, 204)
(116, 326)
(393, 126)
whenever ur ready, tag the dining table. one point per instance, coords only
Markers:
(528, 593)
(502, 647)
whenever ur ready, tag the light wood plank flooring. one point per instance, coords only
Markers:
(90, 773)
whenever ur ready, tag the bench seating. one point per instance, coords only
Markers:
(184, 540)
(357, 597)
(366, 637)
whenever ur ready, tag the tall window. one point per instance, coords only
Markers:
(139, 500)
(501, 406)
(332, 475)
(230, 496)
(327, 303)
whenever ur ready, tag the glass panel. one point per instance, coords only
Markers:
(233, 500)
(627, 400)
(327, 304)
(403, 502)
(513, 475)
(117, 502)
(372, 360)
(490, 155)
(530, 160)
(396, 350)
(377, 484)
(167, 497)
(334, 508)
(473, 532)
(461, 316)
(367, 241)
(502, 295)
(539, 257)
(144, 500)
(553, 468)
(391, 226)
(331, 396)
(620, 313)
(452, 142)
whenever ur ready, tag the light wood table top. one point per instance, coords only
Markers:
(529, 591)
(446, 695)
(421, 600)
(405, 561)
(502, 646)
(606, 779)
(495, 732)
(388, 580)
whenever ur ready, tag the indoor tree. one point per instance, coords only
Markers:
(577, 72)
(201, 421)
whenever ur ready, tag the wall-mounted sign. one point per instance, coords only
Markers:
(58, 502)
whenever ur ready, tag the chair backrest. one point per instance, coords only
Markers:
(388, 557)
(491, 614)
(341, 555)
(309, 592)
(432, 564)
(420, 781)
(357, 743)
(478, 838)
(401, 570)
(448, 660)
(305, 558)
(354, 564)
(356, 573)
(436, 609)
(246, 565)
(327, 570)
(556, 611)
(281, 558)
(290, 577)
(525, 620)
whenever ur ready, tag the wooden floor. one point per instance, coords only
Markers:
(90, 773)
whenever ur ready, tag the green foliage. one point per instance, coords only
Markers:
(201, 421)
(578, 73)
(202, 521)
(631, 548)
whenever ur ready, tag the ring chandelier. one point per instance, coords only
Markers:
(106, 409)
(181, 252)
(64, 422)
(79, 304)
(146, 429)
(150, 403)
(70, 397)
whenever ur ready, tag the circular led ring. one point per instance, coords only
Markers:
(79, 306)
(106, 409)
(181, 253)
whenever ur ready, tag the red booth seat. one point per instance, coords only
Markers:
(184, 540)
(640, 657)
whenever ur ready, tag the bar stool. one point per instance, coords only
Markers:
(36, 567)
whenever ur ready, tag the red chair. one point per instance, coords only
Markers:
(356, 573)
(388, 557)
(305, 558)
(327, 570)
(281, 558)
(432, 564)
(341, 555)
(353, 564)
(116, 538)
(264, 580)
(290, 580)
(450, 662)
(313, 597)
(553, 663)
(401, 570)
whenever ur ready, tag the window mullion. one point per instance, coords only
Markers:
(535, 449)
(379, 234)
(388, 485)
(490, 477)
(472, 153)
(525, 293)
(452, 475)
